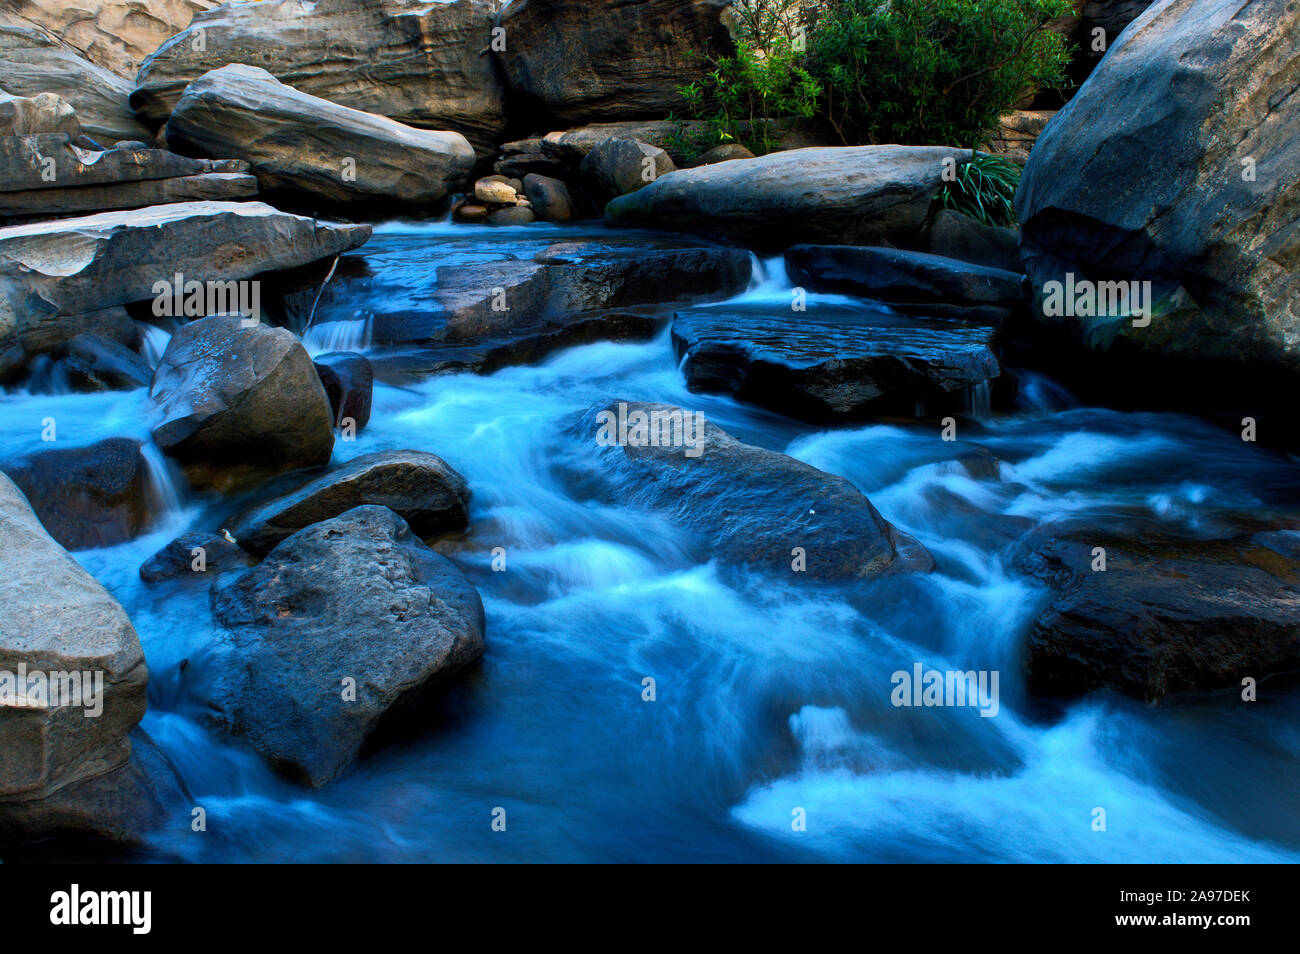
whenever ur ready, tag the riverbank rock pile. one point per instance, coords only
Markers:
(496, 200)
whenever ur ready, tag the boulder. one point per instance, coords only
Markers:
(511, 215)
(958, 236)
(193, 555)
(835, 363)
(1167, 615)
(723, 153)
(315, 150)
(43, 113)
(582, 62)
(420, 488)
(495, 191)
(349, 384)
(619, 166)
(551, 199)
(233, 403)
(53, 161)
(570, 146)
(356, 602)
(50, 271)
(33, 61)
(861, 195)
(1154, 174)
(113, 34)
(91, 362)
(418, 63)
(51, 334)
(893, 275)
(93, 496)
(739, 504)
(58, 619)
(54, 203)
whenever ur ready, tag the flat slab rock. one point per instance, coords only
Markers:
(896, 275)
(1167, 615)
(357, 597)
(834, 362)
(742, 505)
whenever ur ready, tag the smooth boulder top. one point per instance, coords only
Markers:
(299, 142)
(859, 195)
(895, 275)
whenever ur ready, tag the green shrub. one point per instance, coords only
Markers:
(763, 81)
(984, 189)
(937, 72)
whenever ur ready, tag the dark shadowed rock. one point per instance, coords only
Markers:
(723, 153)
(550, 198)
(357, 600)
(862, 195)
(193, 555)
(835, 362)
(233, 403)
(349, 384)
(583, 62)
(95, 363)
(420, 488)
(315, 150)
(740, 504)
(91, 496)
(419, 63)
(1155, 173)
(958, 236)
(893, 275)
(1167, 615)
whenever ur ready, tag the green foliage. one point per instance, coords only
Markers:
(936, 72)
(984, 189)
(765, 80)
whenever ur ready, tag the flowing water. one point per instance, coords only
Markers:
(771, 696)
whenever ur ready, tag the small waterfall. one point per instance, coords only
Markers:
(979, 401)
(47, 377)
(153, 342)
(348, 335)
(166, 485)
(767, 278)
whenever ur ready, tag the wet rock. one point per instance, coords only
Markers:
(619, 166)
(420, 488)
(893, 275)
(313, 150)
(511, 215)
(585, 63)
(357, 601)
(861, 195)
(740, 504)
(35, 61)
(95, 363)
(551, 199)
(193, 555)
(835, 362)
(232, 403)
(59, 619)
(92, 496)
(1167, 615)
(349, 384)
(418, 63)
(958, 236)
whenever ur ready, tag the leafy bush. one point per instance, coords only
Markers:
(763, 81)
(984, 189)
(936, 72)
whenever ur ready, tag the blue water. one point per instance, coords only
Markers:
(771, 696)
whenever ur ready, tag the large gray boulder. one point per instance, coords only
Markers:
(313, 149)
(58, 619)
(584, 62)
(1178, 164)
(859, 195)
(894, 275)
(234, 403)
(357, 602)
(419, 63)
(423, 489)
(52, 270)
(43, 113)
(33, 61)
(619, 166)
(739, 504)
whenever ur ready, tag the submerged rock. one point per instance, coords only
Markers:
(740, 504)
(341, 628)
(861, 195)
(234, 403)
(310, 149)
(92, 496)
(835, 362)
(420, 488)
(1167, 615)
